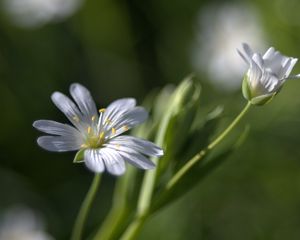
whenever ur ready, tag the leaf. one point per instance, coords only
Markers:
(177, 133)
(196, 174)
(178, 120)
(199, 136)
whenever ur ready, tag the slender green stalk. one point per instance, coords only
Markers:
(119, 210)
(148, 184)
(85, 208)
(110, 228)
(203, 152)
(134, 228)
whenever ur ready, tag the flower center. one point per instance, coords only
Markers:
(93, 139)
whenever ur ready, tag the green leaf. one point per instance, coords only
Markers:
(79, 157)
(177, 133)
(199, 136)
(205, 166)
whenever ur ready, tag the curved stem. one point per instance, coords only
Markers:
(203, 152)
(85, 208)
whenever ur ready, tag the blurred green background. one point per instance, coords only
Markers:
(129, 48)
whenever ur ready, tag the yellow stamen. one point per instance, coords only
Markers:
(76, 119)
(101, 135)
(107, 121)
(89, 130)
(125, 127)
(113, 131)
(102, 110)
(93, 118)
(83, 146)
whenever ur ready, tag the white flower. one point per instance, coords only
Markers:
(266, 74)
(35, 13)
(219, 29)
(22, 224)
(98, 134)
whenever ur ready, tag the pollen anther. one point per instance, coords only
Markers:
(107, 121)
(101, 136)
(76, 119)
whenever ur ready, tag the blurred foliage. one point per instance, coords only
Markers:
(129, 48)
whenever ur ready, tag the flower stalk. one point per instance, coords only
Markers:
(203, 152)
(85, 208)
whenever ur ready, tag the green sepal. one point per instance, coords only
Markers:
(246, 88)
(79, 157)
(258, 100)
(263, 99)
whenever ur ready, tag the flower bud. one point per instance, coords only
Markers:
(266, 74)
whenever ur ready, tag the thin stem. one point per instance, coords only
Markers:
(148, 184)
(119, 210)
(134, 228)
(203, 152)
(85, 208)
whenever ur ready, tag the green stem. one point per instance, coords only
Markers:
(85, 208)
(119, 211)
(134, 228)
(230, 127)
(148, 184)
(203, 152)
(113, 221)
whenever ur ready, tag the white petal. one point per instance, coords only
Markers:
(93, 160)
(270, 82)
(294, 76)
(113, 161)
(275, 63)
(257, 58)
(247, 53)
(244, 56)
(269, 53)
(56, 128)
(255, 74)
(85, 102)
(289, 67)
(127, 121)
(247, 50)
(125, 143)
(59, 143)
(64, 104)
(138, 160)
(118, 108)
